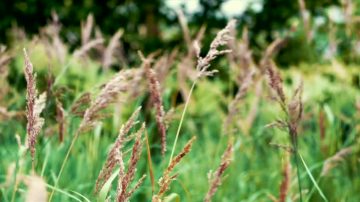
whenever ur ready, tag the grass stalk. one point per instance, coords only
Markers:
(182, 119)
(312, 179)
(151, 170)
(298, 173)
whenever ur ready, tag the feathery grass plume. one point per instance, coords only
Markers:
(34, 106)
(136, 186)
(293, 110)
(285, 183)
(241, 61)
(109, 51)
(185, 69)
(221, 39)
(167, 178)
(233, 107)
(36, 189)
(124, 81)
(86, 47)
(246, 74)
(270, 51)
(86, 42)
(203, 63)
(86, 29)
(162, 66)
(50, 37)
(111, 160)
(108, 94)
(215, 178)
(128, 177)
(184, 27)
(4, 59)
(154, 88)
(80, 105)
(275, 82)
(305, 15)
(335, 159)
(250, 118)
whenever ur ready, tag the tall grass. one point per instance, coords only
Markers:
(85, 144)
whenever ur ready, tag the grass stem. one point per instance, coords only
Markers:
(182, 119)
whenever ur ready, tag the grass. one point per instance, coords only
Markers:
(254, 173)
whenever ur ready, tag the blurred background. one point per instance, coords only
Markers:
(319, 30)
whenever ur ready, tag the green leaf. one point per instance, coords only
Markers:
(64, 193)
(107, 186)
(312, 179)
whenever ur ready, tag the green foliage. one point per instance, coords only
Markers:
(256, 169)
(330, 121)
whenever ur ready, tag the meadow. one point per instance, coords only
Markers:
(195, 123)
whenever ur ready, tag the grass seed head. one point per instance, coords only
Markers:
(166, 179)
(155, 92)
(34, 106)
(215, 179)
(115, 155)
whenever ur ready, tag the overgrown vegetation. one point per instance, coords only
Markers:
(201, 124)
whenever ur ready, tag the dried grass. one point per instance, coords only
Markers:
(80, 105)
(126, 178)
(86, 29)
(111, 160)
(292, 108)
(155, 92)
(167, 178)
(222, 38)
(110, 49)
(215, 178)
(50, 37)
(285, 183)
(203, 63)
(334, 160)
(83, 50)
(122, 82)
(34, 106)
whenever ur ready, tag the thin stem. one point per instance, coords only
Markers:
(182, 119)
(64, 162)
(293, 135)
(298, 175)
(61, 74)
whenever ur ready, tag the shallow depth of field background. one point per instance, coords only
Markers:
(322, 49)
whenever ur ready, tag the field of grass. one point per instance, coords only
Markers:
(240, 108)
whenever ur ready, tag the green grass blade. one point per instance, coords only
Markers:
(107, 186)
(312, 179)
(64, 193)
(82, 196)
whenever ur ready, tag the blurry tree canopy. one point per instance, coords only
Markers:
(151, 25)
